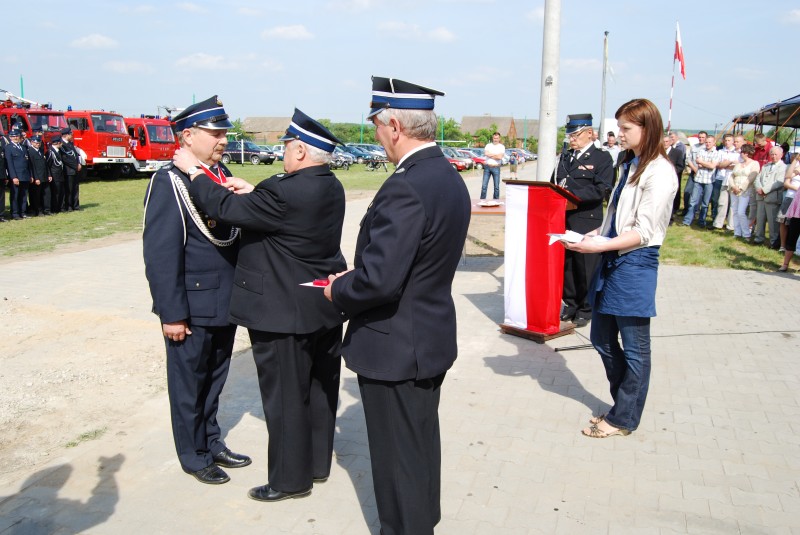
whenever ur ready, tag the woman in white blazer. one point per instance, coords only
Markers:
(624, 285)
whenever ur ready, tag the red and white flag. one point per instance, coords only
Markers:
(679, 50)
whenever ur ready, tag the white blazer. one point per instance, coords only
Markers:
(645, 207)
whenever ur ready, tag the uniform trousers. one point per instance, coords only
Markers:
(71, 193)
(57, 196)
(298, 375)
(196, 372)
(19, 199)
(578, 271)
(405, 452)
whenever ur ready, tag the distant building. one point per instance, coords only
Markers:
(508, 127)
(266, 130)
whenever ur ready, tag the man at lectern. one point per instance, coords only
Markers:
(586, 172)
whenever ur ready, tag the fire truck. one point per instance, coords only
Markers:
(104, 138)
(153, 142)
(28, 116)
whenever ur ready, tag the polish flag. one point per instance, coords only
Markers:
(534, 270)
(679, 51)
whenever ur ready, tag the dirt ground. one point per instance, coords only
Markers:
(62, 382)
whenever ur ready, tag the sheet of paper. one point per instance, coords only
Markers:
(572, 237)
(316, 283)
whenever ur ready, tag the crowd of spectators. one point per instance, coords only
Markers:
(749, 187)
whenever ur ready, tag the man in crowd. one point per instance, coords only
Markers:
(688, 189)
(3, 177)
(494, 153)
(72, 168)
(587, 172)
(762, 146)
(292, 230)
(703, 163)
(19, 174)
(189, 262)
(612, 148)
(769, 187)
(401, 339)
(39, 193)
(728, 157)
(677, 155)
(55, 171)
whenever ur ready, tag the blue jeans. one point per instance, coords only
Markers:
(701, 194)
(495, 172)
(716, 189)
(627, 366)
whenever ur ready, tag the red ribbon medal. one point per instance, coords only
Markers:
(221, 179)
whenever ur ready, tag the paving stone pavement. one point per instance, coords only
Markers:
(718, 450)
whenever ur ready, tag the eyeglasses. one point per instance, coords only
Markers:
(575, 135)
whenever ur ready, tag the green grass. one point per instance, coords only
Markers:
(87, 436)
(115, 206)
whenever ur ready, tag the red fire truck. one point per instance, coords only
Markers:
(104, 138)
(153, 142)
(28, 115)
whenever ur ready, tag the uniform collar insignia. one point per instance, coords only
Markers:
(401, 170)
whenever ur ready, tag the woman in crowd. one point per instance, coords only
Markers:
(792, 213)
(624, 285)
(791, 184)
(740, 186)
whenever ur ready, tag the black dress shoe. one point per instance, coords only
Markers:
(267, 494)
(566, 317)
(227, 459)
(581, 322)
(211, 475)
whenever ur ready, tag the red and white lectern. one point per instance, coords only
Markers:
(534, 270)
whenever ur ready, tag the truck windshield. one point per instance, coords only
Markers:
(160, 134)
(47, 121)
(106, 122)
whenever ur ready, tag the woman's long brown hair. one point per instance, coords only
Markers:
(643, 113)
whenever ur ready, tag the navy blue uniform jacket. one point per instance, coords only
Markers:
(291, 233)
(399, 297)
(190, 278)
(589, 178)
(17, 162)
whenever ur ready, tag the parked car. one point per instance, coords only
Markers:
(370, 147)
(360, 155)
(450, 152)
(340, 153)
(457, 163)
(476, 155)
(252, 153)
(277, 150)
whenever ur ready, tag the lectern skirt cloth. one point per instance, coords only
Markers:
(625, 285)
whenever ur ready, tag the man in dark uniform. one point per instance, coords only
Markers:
(588, 173)
(189, 262)
(19, 174)
(3, 177)
(39, 192)
(55, 170)
(291, 230)
(72, 166)
(401, 339)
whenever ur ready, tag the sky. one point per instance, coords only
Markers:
(263, 58)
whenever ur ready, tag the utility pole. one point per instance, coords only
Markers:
(548, 98)
(603, 91)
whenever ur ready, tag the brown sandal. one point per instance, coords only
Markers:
(594, 420)
(596, 432)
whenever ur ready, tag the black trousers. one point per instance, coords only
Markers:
(196, 372)
(578, 271)
(45, 198)
(71, 193)
(405, 452)
(298, 375)
(57, 202)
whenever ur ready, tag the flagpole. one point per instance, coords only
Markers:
(671, 92)
(603, 89)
